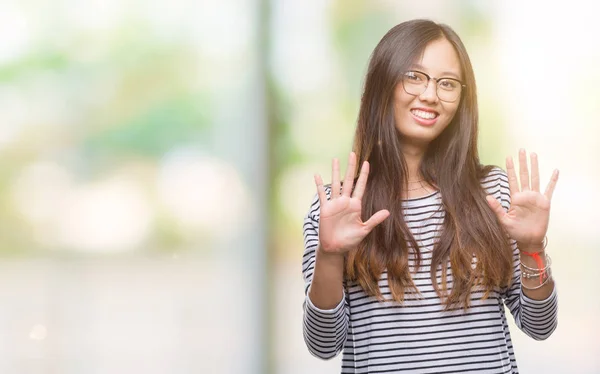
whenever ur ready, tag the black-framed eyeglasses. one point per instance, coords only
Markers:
(447, 89)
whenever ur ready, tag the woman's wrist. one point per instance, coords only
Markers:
(536, 274)
(535, 268)
(329, 256)
(535, 247)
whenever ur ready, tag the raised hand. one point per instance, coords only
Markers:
(340, 225)
(527, 219)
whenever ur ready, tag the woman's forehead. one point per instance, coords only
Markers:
(439, 59)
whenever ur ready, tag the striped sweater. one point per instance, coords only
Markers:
(418, 336)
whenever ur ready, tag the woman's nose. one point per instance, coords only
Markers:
(430, 93)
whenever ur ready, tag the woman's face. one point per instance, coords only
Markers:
(421, 118)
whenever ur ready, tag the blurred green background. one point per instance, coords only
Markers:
(157, 158)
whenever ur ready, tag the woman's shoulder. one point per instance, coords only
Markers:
(495, 182)
(492, 173)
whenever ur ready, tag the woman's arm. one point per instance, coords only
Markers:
(534, 310)
(332, 227)
(538, 287)
(535, 315)
(325, 309)
(326, 290)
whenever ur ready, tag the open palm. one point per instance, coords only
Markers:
(340, 224)
(527, 219)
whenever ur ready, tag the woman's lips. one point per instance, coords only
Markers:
(424, 121)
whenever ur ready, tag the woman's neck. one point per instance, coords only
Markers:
(413, 157)
(417, 187)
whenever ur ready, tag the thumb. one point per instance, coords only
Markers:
(496, 207)
(376, 219)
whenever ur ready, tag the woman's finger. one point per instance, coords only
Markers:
(320, 189)
(376, 219)
(523, 171)
(496, 207)
(513, 185)
(551, 185)
(361, 183)
(535, 173)
(335, 178)
(349, 180)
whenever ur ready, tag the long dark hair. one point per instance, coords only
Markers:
(451, 163)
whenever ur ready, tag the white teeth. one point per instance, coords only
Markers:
(423, 114)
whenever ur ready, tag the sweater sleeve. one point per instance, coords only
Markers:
(325, 331)
(536, 318)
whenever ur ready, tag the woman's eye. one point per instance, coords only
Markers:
(413, 77)
(448, 84)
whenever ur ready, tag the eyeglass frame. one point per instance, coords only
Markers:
(436, 80)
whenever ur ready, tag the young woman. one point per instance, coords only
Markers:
(410, 271)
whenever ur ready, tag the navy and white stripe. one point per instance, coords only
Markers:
(418, 335)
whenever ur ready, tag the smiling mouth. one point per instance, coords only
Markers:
(423, 114)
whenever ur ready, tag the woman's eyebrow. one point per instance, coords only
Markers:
(444, 74)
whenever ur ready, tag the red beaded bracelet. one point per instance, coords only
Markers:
(538, 259)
